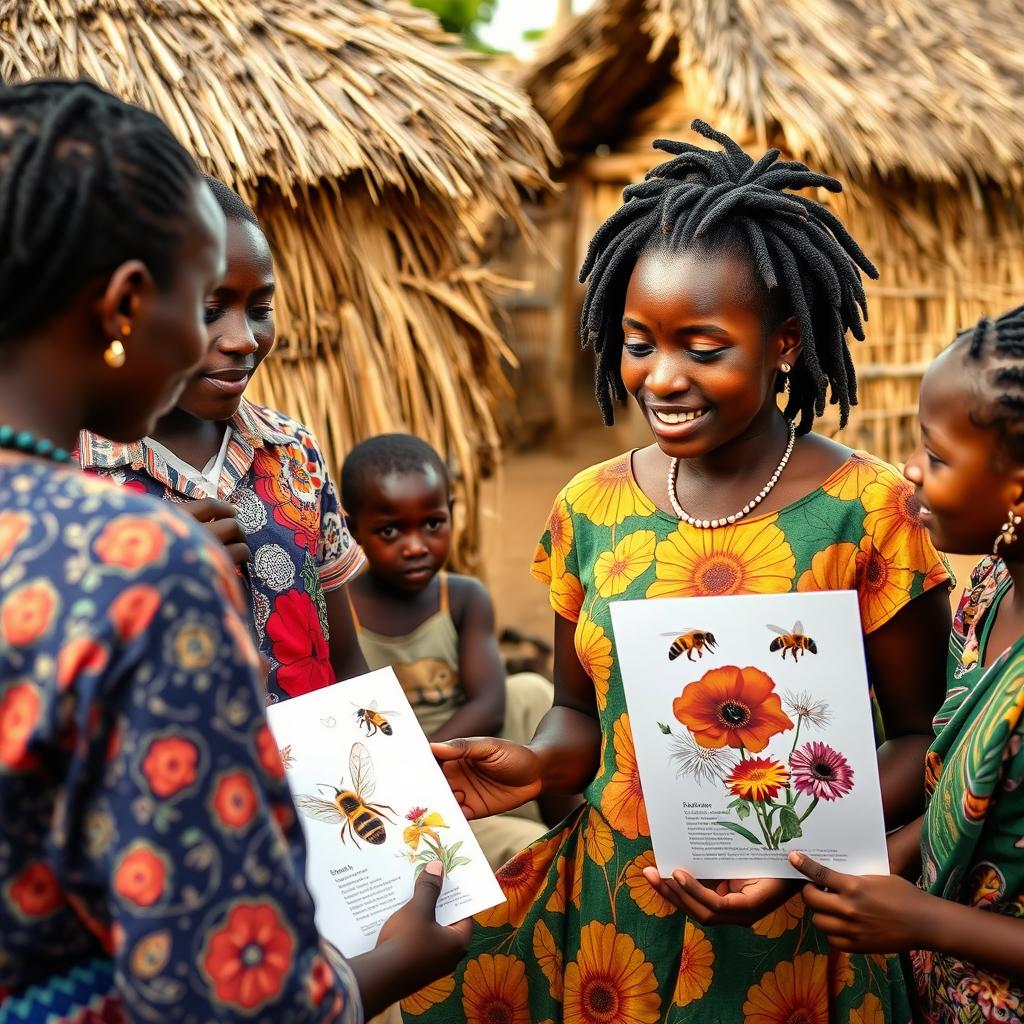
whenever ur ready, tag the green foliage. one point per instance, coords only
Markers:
(460, 16)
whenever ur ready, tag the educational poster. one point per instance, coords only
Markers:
(375, 808)
(753, 732)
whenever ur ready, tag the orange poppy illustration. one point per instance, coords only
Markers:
(607, 494)
(249, 957)
(610, 980)
(795, 990)
(622, 801)
(731, 706)
(494, 989)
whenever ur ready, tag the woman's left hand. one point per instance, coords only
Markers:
(866, 913)
(741, 901)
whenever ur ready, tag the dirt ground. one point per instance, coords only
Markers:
(516, 506)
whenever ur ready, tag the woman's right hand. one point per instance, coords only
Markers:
(221, 519)
(412, 949)
(488, 775)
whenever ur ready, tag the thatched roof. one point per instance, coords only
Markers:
(371, 144)
(932, 88)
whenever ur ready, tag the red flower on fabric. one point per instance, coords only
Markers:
(20, 708)
(268, 753)
(170, 765)
(36, 892)
(81, 656)
(234, 800)
(141, 876)
(299, 644)
(248, 958)
(130, 542)
(133, 609)
(27, 613)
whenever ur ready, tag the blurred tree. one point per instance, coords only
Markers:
(462, 17)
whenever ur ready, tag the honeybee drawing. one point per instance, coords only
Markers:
(690, 641)
(793, 640)
(373, 720)
(351, 807)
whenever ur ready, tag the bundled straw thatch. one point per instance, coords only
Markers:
(918, 105)
(371, 145)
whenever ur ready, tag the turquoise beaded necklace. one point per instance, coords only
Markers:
(25, 441)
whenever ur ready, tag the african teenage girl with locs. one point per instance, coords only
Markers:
(711, 290)
(149, 854)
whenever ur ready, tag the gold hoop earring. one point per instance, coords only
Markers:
(114, 354)
(1007, 532)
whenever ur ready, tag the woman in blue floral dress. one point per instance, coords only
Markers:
(149, 853)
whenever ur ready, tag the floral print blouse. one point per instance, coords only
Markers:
(144, 814)
(276, 477)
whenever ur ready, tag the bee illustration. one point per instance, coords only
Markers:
(287, 757)
(351, 806)
(792, 640)
(374, 720)
(690, 640)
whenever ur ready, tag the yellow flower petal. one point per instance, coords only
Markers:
(630, 559)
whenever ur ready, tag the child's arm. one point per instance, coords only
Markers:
(346, 656)
(888, 914)
(489, 776)
(481, 671)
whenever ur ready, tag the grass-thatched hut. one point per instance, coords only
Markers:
(918, 105)
(370, 145)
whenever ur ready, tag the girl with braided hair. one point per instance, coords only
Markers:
(715, 289)
(963, 921)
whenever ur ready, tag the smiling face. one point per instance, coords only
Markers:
(962, 479)
(403, 525)
(239, 325)
(695, 354)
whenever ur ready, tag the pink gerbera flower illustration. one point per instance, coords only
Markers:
(821, 771)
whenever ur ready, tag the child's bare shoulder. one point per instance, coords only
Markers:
(466, 594)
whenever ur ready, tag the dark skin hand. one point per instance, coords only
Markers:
(221, 519)
(888, 914)
(412, 950)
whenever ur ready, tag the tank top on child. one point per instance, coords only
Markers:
(425, 660)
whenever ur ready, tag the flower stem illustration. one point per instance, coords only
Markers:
(423, 831)
(732, 714)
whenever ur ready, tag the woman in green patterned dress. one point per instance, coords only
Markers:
(712, 290)
(963, 920)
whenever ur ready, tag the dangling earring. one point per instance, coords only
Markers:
(113, 354)
(1007, 532)
(785, 368)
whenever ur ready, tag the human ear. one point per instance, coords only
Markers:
(129, 290)
(788, 343)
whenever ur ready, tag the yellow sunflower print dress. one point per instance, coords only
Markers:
(583, 939)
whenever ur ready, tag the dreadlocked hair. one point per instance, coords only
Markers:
(997, 347)
(807, 262)
(87, 182)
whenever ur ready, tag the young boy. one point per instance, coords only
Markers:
(436, 629)
(254, 477)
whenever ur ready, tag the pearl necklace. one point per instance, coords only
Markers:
(711, 524)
